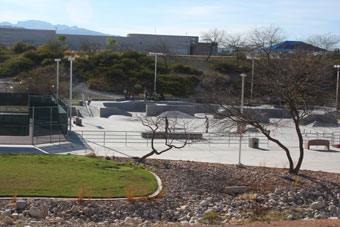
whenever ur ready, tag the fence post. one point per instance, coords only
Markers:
(104, 137)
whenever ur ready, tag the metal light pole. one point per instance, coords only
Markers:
(155, 80)
(57, 60)
(337, 88)
(70, 111)
(241, 125)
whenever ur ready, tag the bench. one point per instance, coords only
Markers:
(317, 142)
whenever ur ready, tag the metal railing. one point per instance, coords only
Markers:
(333, 137)
(135, 137)
(212, 138)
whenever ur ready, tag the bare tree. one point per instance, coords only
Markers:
(214, 38)
(298, 80)
(264, 39)
(90, 47)
(162, 128)
(324, 41)
(161, 47)
(237, 43)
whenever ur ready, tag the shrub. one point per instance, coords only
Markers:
(178, 85)
(215, 80)
(14, 66)
(34, 56)
(226, 67)
(52, 50)
(211, 217)
(185, 69)
(21, 47)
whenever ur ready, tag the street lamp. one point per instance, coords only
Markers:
(156, 54)
(337, 67)
(241, 125)
(70, 112)
(57, 60)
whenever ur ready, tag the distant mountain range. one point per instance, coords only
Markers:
(60, 29)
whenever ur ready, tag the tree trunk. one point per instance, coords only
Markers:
(289, 157)
(165, 63)
(210, 51)
(141, 159)
(298, 132)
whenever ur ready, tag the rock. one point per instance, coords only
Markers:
(332, 209)
(15, 216)
(74, 209)
(183, 207)
(204, 203)
(8, 221)
(236, 189)
(184, 223)
(21, 205)
(278, 191)
(129, 220)
(5, 213)
(35, 212)
(318, 205)
(86, 211)
(290, 217)
(44, 210)
(299, 202)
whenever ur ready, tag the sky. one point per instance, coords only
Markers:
(297, 18)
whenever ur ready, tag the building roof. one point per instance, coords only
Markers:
(289, 46)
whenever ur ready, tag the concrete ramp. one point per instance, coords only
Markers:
(107, 112)
(82, 112)
(175, 114)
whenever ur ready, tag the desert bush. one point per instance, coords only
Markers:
(226, 67)
(21, 47)
(211, 217)
(178, 85)
(14, 66)
(185, 69)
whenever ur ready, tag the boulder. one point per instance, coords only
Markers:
(236, 189)
(21, 205)
(318, 205)
(36, 212)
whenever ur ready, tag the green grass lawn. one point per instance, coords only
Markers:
(69, 176)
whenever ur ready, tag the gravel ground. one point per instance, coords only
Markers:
(196, 194)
